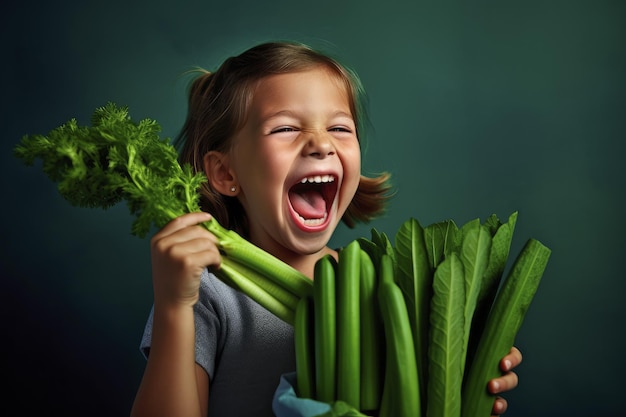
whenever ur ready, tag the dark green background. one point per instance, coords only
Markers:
(477, 108)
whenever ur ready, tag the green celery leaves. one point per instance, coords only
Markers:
(114, 160)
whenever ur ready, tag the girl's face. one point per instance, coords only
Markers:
(296, 162)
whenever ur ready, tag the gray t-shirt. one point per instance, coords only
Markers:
(243, 347)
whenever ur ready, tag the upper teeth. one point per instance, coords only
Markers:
(318, 179)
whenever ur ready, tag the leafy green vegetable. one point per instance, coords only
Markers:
(444, 279)
(116, 159)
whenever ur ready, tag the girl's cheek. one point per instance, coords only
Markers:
(355, 167)
(352, 169)
(352, 186)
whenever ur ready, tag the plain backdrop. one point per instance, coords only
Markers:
(476, 108)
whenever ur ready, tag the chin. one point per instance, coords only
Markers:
(310, 244)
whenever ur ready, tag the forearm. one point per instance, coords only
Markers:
(169, 386)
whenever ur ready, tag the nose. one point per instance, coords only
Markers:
(319, 145)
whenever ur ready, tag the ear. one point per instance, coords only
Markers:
(219, 173)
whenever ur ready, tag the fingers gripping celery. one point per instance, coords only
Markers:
(348, 327)
(324, 312)
(503, 324)
(116, 159)
(305, 355)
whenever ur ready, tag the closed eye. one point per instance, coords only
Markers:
(283, 129)
(340, 129)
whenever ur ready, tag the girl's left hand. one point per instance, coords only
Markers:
(506, 382)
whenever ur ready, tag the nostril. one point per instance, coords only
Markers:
(318, 154)
(319, 146)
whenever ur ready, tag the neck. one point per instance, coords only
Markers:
(306, 263)
(301, 260)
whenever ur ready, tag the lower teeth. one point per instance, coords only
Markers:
(313, 222)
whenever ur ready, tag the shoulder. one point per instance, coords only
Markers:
(217, 296)
(238, 314)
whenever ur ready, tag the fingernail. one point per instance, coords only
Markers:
(495, 386)
(507, 365)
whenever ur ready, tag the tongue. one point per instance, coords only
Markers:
(308, 203)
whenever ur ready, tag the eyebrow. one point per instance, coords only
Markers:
(289, 113)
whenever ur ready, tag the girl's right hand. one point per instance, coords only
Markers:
(180, 252)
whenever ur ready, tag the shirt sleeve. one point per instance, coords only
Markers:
(209, 324)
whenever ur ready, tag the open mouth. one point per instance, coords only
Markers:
(311, 200)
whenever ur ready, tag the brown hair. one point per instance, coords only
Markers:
(218, 104)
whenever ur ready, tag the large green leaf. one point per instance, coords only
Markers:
(501, 245)
(498, 257)
(440, 239)
(492, 223)
(384, 244)
(377, 245)
(475, 250)
(372, 250)
(446, 347)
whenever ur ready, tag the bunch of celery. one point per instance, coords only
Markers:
(417, 328)
(116, 159)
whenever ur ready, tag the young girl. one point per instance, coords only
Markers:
(276, 130)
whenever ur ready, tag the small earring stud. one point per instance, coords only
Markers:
(233, 189)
